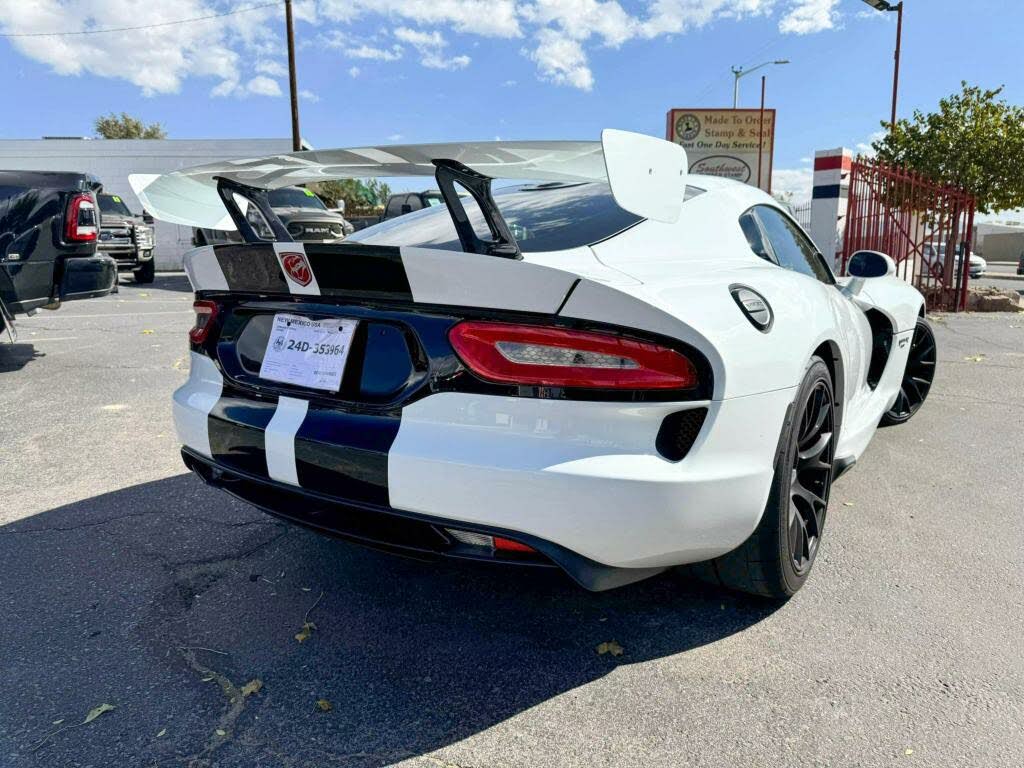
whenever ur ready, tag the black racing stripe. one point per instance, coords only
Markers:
(251, 268)
(237, 426)
(345, 455)
(368, 271)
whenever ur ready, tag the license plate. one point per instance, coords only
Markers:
(307, 353)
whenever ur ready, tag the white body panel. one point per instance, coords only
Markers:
(587, 476)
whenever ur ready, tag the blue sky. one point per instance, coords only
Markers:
(433, 70)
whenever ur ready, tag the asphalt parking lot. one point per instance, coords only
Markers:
(126, 582)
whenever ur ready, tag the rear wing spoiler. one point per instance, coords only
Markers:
(647, 177)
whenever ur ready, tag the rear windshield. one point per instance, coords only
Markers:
(294, 197)
(545, 217)
(113, 204)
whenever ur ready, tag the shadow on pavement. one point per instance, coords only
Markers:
(165, 598)
(14, 357)
(175, 281)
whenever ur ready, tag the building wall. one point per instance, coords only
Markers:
(113, 159)
(984, 229)
(1003, 246)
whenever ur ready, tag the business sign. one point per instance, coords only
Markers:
(734, 143)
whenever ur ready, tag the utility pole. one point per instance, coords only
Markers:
(290, 33)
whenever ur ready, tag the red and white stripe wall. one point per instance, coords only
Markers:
(828, 200)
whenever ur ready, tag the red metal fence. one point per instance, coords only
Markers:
(923, 226)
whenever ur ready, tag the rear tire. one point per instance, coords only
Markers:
(917, 376)
(146, 273)
(777, 558)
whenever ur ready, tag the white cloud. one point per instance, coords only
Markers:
(794, 183)
(865, 148)
(807, 16)
(376, 54)
(241, 54)
(309, 96)
(395, 137)
(261, 85)
(430, 46)
(152, 59)
(271, 68)
(354, 71)
(491, 18)
(562, 60)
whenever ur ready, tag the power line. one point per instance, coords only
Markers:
(143, 26)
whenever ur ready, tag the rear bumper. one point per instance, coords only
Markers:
(87, 277)
(398, 532)
(584, 478)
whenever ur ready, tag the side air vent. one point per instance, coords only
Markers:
(679, 431)
(754, 306)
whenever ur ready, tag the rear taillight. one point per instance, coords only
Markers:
(558, 357)
(206, 313)
(80, 221)
(486, 541)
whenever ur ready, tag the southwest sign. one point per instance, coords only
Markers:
(726, 142)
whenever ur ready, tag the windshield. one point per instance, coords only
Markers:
(113, 204)
(544, 217)
(295, 197)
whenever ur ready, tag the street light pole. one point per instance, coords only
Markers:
(887, 7)
(738, 72)
(290, 33)
(896, 65)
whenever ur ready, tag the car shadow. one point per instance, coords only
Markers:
(14, 357)
(164, 598)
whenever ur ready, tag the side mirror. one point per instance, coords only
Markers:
(864, 264)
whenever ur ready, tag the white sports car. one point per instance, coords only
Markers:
(613, 367)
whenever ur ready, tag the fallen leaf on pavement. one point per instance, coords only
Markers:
(306, 631)
(221, 732)
(97, 711)
(975, 358)
(847, 503)
(58, 722)
(253, 686)
(163, 732)
(148, 332)
(908, 752)
(611, 647)
(323, 705)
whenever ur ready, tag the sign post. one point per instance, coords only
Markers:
(735, 143)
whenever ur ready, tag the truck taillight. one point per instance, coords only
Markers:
(80, 225)
(206, 313)
(560, 357)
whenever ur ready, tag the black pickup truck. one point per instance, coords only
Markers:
(49, 226)
(126, 238)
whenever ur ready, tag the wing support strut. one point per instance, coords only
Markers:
(227, 189)
(502, 244)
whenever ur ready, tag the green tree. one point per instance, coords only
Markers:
(124, 126)
(359, 196)
(974, 141)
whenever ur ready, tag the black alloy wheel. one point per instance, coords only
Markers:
(917, 377)
(777, 558)
(811, 477)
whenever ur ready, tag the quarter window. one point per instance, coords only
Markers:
(792, 248)
(752, 231)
